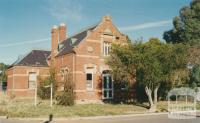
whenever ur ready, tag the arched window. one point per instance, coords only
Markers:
(64, 73)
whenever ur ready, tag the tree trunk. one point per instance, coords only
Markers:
(149, 95)
(156, 96)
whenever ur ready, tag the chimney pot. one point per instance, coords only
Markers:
(62, 24)
(62, 32)
(54, 27)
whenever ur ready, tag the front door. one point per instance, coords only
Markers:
(107, 86)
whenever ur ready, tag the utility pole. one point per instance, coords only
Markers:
(36, 93)
(13, 82)
(51, 94)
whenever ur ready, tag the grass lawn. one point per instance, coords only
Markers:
(26, 108)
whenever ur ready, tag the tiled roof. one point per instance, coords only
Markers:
(69, 43)
(40, 57)
(34, 58)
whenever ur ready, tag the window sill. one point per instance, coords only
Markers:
(89, 90)
(31, 88)
(107, 98)
(102, 56)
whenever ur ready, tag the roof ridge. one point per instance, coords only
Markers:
(87, 28)
(67, 47)
(82, 30)
(39, 49)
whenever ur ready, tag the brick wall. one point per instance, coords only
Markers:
(89, 53)
(19, 84)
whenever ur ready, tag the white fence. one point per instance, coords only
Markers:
(182, 103)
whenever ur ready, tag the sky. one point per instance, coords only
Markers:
(26, 24)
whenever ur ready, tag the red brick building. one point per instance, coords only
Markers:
(82, 55)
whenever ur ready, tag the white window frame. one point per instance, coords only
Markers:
(64, 72)
(106, 48)
(34, 81)
(90, 71)
(103, 89)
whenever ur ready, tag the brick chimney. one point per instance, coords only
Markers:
(54, 41)
(62, 32)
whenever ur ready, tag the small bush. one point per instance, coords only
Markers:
(43, 90)
(67, 96)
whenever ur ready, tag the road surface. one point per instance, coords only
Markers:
(128, 119)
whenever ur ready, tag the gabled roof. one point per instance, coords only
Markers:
(36, 58)
(68, 44)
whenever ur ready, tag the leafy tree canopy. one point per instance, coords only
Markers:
(195, 76)
(151, 63)
(186, 26)
(3, 68)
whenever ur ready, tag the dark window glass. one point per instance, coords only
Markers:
(110, 93)
(110, 82)
(89, 76)
(104, 82)
(105, 93)
(106, 50)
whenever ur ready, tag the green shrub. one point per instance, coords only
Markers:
(44, 89)
(67, 96)
(123, 92)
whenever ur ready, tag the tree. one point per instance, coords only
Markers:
(151, 63)
(186, 26)
(3, 68)
(194, 54)
(44, 85)
(179, 78)
(120, 56)
(195, 76)
(67, 96)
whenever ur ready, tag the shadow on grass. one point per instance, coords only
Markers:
(141, 105)
(128, 103)
(50, 119)
(163, 110)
